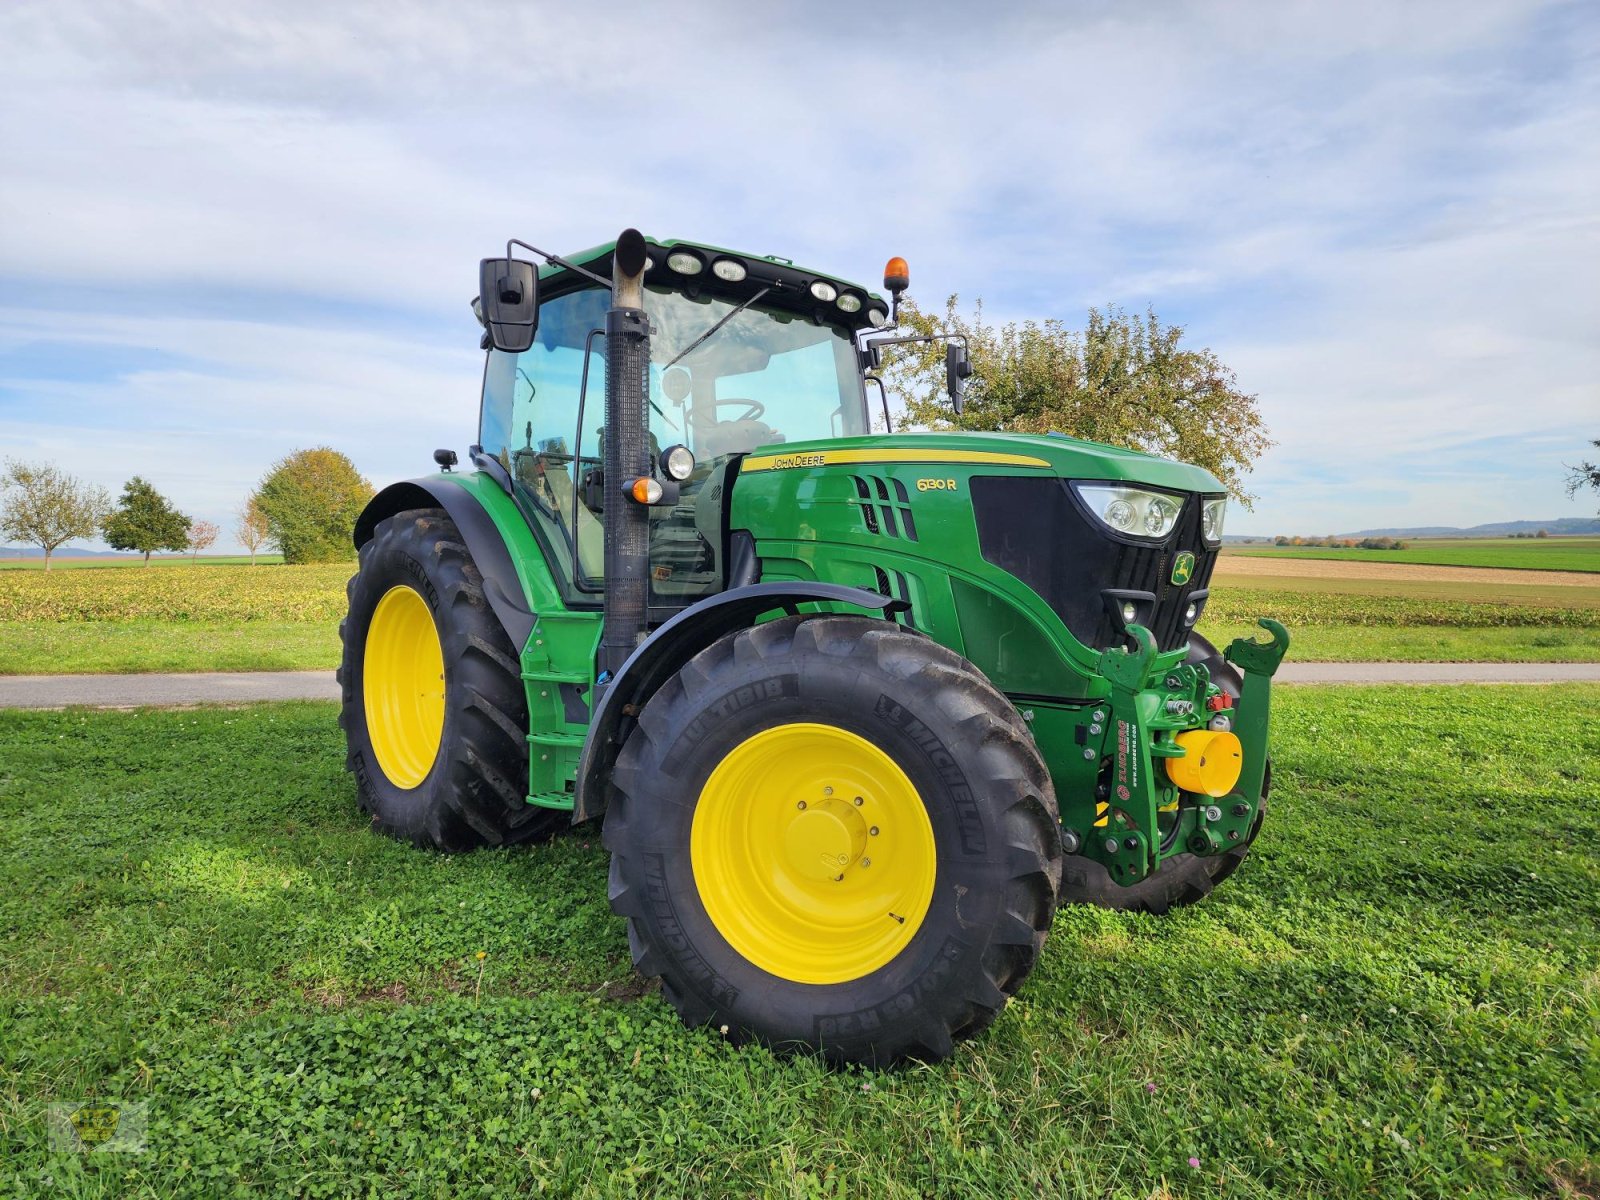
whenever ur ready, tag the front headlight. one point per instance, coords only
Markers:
(1211, 519)
(1130, 511)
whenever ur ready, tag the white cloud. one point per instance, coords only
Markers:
(1381, 215)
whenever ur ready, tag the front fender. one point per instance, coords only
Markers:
(675, 643)
(487, 544)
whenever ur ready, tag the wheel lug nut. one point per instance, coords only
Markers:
(801, 805)
(859, 801)
(827, 791)
(873, 831)
(866, 862)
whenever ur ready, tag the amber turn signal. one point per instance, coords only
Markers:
(896, 275)
(645, 490)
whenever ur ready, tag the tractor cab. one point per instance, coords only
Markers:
(744, 353)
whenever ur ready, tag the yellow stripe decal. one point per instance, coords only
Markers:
(828, 458)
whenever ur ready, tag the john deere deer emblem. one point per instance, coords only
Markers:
(95, 1124)
(1182, 568)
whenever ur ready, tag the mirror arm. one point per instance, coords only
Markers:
(555, 260)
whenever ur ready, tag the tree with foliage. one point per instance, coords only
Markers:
(1126, 380)
(46, 507)
(202, 536)
(1584, 475)
(311, 500)
(251, 527)
(144, 520)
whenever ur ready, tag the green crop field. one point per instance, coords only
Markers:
(1396, 996)
(1534, 554)
(231, 618)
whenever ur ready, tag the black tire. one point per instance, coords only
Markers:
(1184, 878)
(975, 771)
(475, 793)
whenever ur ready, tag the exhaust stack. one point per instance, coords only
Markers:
(626, 455)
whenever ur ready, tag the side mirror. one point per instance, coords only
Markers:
(957, 369)
(508, 297)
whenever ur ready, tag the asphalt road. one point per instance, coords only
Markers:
(130, 691)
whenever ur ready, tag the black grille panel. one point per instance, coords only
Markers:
(1036, 530)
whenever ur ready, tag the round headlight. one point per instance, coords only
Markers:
(730, 270)
(878, 317)
(677, 463)
(685, 263)
(1129, 612)
(1158, 518)
(849, 303)
(1119, 515)
(1211, 519)
(824, 291)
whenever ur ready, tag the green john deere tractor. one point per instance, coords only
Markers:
(859, 710)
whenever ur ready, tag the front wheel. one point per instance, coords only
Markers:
(832, 833)
(434, 715)
(1183, 878)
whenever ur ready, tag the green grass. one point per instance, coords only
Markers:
(1523, 554)
(1397, 995)
(132, 647)
(1424, 643)
(64, 562)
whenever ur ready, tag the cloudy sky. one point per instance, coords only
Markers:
(228, 231)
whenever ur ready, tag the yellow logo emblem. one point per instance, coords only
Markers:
(1182, 568)
(95, 1125)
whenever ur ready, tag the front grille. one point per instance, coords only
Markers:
(1036, 530)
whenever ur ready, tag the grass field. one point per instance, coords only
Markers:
(66, 562)
(1534, 554)
(1396, 996)
(240, 618)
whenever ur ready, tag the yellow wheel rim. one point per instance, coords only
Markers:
(812, 853)
(402, 679)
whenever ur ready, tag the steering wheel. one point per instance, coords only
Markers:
(754, 409)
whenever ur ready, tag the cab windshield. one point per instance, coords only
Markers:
(765, 377)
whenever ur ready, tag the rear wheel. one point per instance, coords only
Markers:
(829, 832)
(1183, 878)
(434, 713)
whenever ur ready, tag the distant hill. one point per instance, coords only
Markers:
(1567, 526)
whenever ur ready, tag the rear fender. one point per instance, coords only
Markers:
(485, 539)
(675, 643)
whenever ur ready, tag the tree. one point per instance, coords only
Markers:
(311, 500)
(144, 520)
(202, 536)
(251, 529)
(1584, 474)
(1126, 380)
(47, 507)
